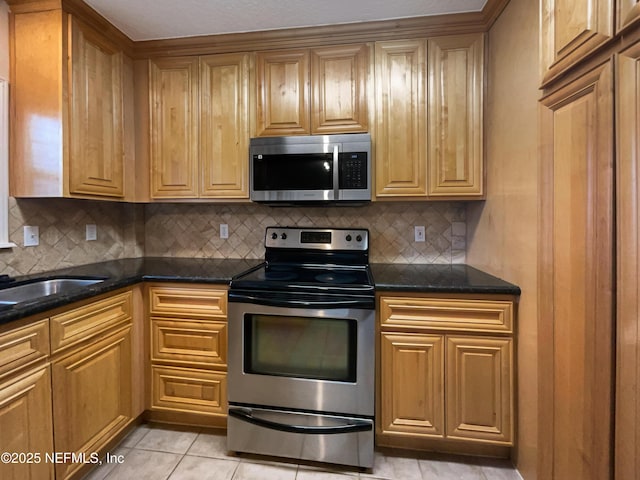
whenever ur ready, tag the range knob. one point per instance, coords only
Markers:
(274, 235)
(283, 236)
(359, 238)
(348, 238)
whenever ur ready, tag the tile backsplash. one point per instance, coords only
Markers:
(61, 223)
(192, 230)
(182, 230)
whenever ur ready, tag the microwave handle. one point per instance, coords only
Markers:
(336, 173)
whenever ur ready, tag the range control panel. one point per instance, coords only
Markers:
(317, 238)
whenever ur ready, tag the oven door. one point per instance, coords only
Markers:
(307, 359)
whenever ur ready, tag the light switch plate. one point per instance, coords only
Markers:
(31, 236)
(419, 233)
(224, 230)
(91, 231)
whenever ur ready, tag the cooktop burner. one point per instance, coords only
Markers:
(328, 261)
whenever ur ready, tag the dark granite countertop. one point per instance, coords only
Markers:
(427, 278)
(126, 272)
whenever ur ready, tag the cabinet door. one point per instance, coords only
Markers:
(173, 87)
(412, 384)
(283, 92)
(96, 158)
(628, 12)
(479, 385)
(400, 116)
(91, 396)
(455, 68)
(339, 89)
(224, 126)
(571, 29)
(26, 425)
(576, 278)
(627, 443)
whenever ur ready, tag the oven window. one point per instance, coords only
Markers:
(302, 347)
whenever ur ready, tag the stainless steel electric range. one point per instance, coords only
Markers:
(301, 349)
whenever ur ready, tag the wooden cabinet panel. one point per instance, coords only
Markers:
(400, 115)
(411, 313)
(479, 389)
(224, 126)
(97, 149)
(189, 390)
(576, 278)
(338, 89)
(412, 375)
(456, 69)
(173, 84)
(91, 396)
(74, 326)
(627, 12)
(24, 346)
(571, 29)
(282, 92)
(26, 425)
(189, 343)
(188, 302)
(627, 425)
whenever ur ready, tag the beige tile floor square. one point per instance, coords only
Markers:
(153, 452)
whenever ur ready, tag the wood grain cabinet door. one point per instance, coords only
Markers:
(224, 125)
(282, 92)
(96, 159)
(576, 278)
(173, 89)
(571, 29)
(479, 383)
(26, 425)
(627, 12)
(91, 396)
(412, 384)
(456, 69)
(339, 89)
(627, 442)
(400, 166)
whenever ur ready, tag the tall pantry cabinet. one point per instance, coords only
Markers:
(589, 333)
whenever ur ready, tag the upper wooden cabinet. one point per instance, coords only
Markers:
(312, 91)
(433, 151)
(627, 12)
(572, 29)
(67, 108)
(199, 122)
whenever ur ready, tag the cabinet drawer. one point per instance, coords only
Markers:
(79, 324)
(188, 302)
(189, 390)
(23, 346)
(189, 342)
(446, 314)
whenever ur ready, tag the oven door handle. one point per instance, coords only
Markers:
(246, 415)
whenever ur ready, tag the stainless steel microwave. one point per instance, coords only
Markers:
(311, 169)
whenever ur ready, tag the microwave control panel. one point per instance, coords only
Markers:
(353, 170)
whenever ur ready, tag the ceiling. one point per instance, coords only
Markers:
(157, 19)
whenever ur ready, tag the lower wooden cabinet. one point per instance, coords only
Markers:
(188, 353)
(26, 426)
(441, 380)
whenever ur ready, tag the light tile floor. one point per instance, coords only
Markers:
(153, 452)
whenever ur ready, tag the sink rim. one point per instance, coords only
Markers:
(69, 283)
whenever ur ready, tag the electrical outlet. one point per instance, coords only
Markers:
(224, 230)
(31, 236)
(419, 233)
(91, 232)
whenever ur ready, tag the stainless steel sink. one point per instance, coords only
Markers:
(42, 288)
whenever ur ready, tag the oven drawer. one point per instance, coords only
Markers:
(305, 436)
